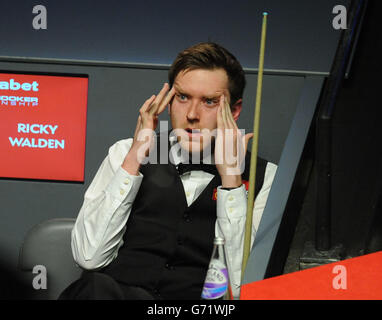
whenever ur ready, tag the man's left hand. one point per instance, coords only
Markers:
(230, 146)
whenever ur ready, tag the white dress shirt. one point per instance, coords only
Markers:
(98, 232)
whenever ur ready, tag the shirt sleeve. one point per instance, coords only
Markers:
(100, 225)
(231, 216)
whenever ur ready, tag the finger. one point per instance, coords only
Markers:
(147, 104)
(219, 117)
(230, 117)
(219, 145)
(247, 137)
(224, 111)
(228, 112)
(155, 105)
(166, 100)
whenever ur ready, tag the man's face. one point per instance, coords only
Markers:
(195, 106)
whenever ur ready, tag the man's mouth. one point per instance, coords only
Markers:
(193, 133)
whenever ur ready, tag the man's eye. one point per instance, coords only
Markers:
(182, 97)
(211, 102)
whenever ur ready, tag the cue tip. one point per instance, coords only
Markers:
(265, 13)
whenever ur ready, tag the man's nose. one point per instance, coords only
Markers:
(193, 111)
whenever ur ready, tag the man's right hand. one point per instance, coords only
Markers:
(144, 131)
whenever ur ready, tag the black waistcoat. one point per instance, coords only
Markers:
(168, 245)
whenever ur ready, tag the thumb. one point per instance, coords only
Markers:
(247, 137)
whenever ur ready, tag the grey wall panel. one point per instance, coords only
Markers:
(115, 94)
(300, 34)
(279, 193)
(279, 99)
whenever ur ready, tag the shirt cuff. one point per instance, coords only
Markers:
(124, 184)
(231, 204)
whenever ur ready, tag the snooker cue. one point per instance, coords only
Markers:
(255, 139)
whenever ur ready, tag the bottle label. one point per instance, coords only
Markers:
(216, 283)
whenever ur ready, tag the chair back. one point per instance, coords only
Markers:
(47, 247)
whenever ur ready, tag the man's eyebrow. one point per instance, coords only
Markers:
(215, 95)
(181, 91)
(177, 88)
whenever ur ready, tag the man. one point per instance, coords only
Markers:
(146, 230)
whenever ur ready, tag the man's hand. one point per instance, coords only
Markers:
(230, 146)
(144, 131)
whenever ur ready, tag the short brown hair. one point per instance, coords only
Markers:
(210, 56)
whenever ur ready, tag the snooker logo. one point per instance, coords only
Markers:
(14, 85)
(11, 100)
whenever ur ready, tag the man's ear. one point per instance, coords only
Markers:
(236, 109)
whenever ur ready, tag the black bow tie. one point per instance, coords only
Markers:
(210, 168)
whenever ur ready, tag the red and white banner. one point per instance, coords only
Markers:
(42, 126)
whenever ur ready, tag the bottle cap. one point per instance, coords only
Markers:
(219, 240)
